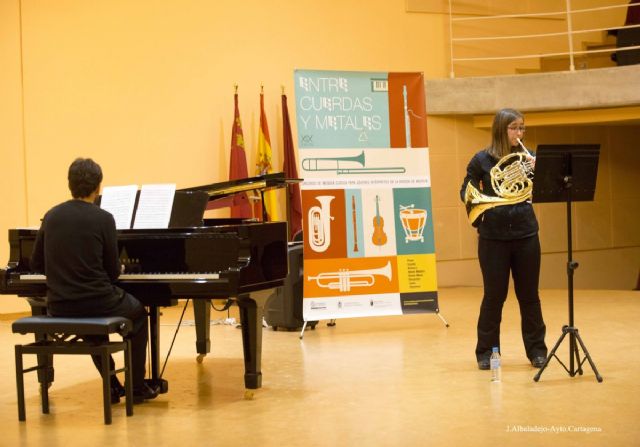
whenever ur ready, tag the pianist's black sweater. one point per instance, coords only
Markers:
(77, 248)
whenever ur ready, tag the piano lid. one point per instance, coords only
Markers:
(224, 189)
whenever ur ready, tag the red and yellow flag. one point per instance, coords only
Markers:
(240, 206)
(290, 169)
(263, 166)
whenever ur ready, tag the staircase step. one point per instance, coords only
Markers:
(605, 41)
(597, 45)
(527, 70)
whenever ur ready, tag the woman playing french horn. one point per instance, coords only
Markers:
(497, 193)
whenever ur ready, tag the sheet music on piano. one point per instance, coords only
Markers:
(154, 206)
(120, 201)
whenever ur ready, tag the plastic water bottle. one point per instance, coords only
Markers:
(494, 361)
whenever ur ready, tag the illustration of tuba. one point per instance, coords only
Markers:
(319, 224)
(511, 178)
(344, 279)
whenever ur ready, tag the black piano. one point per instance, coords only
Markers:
(215, 258)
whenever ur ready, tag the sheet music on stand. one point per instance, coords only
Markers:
(120, 201)
(154, 206)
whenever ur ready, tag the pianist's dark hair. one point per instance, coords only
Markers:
(85, 175)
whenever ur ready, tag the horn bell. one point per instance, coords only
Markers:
(477, 203)
(511, 178)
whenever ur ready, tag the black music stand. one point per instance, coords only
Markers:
(567, 173)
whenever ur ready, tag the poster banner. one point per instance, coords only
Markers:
(366, 196)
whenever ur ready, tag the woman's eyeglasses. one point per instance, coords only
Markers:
(517, 128)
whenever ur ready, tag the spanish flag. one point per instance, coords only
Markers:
(263, 166)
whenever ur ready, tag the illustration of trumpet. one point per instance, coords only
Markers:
(344, 279)
(319, 224)
(337, 164)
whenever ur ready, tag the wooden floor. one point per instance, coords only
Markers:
(391, 381)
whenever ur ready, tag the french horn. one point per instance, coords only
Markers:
(512, 180)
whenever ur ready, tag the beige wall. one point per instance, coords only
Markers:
(146, 87)
(12, 150)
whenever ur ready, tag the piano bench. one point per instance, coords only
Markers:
(61, 335)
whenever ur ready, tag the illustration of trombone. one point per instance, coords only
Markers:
(338, 164)
(413, 222)
(344, 279)
(319, 224)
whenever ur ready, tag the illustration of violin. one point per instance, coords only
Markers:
(379, 237)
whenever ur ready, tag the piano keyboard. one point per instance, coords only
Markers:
(141, 277)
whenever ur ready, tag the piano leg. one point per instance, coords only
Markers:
(251, 311)
(202, 318)
(155, 382)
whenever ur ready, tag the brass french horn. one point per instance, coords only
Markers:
(512, 180)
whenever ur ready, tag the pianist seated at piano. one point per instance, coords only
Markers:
(77, 249)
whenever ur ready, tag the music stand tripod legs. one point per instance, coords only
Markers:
(575, 363)
(573, 351)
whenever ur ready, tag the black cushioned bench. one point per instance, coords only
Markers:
(56, 335)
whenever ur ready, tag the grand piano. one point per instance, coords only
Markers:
(195, 258)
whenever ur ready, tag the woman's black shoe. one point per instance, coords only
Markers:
(483, 364)
(538, 361)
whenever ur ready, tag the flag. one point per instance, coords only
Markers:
(263, 166)
(291, 171)
(240, 206)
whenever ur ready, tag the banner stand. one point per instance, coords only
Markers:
(369, 246)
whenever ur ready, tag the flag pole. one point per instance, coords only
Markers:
(287, 204)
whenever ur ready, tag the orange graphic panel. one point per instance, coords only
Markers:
(411, 110)
(350, 276)
(323, 222)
